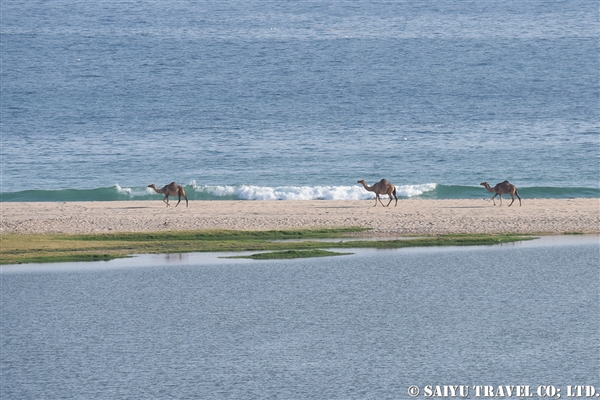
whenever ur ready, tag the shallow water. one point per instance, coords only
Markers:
(181, 259)
(364, 326)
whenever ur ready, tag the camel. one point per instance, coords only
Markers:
(172, 189)
(382, 187)
(503, 188)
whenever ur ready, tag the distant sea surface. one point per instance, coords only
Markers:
(298, 100)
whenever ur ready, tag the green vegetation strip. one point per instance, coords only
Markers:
(88, 247)
(288, 254)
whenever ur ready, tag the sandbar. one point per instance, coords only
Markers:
(410, 217)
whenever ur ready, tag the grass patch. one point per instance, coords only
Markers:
(38, 248)
(289, 254)
(71, 258)
(222, 235)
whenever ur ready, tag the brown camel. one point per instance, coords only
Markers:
(503, 188)
(382, 187)
(172, 189)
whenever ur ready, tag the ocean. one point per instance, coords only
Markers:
(289, 100)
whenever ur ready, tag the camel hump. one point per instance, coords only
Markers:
(172, 183)
(383, 181)
(506, 182)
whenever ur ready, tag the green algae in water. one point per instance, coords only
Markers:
(289, 254)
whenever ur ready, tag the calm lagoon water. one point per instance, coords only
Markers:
(365, 326)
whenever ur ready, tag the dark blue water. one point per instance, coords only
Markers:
(365, 326)
(259, 98)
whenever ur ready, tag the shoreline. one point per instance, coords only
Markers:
(410, 217)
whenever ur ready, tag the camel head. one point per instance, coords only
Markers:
(487, 187)
(153, 186)
(362, 181)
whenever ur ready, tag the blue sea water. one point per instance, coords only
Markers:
(298, 100)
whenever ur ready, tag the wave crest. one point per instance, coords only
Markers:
(251, 192)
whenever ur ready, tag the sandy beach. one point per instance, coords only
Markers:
(410, 217)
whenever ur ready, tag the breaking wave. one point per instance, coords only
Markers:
(253, 192)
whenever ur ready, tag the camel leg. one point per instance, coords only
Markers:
(517, 194)
(166, 200)
(493, 199)
(500, 196)
(388, 204)
(377, 198)
(182, 193)
(178, 201)
(513, 199)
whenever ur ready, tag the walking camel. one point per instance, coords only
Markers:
(172, 189)
(382, 187)
(503, 188)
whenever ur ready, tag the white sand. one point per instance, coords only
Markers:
(410, 217)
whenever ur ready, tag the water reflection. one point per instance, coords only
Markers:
(169, 258)
(148, 260)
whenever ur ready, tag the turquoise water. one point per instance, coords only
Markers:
(365, 326)
(287, 100)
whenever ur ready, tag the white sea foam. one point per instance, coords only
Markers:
(356, 192)
(121, 190)
(134, 192)
(414, 190)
